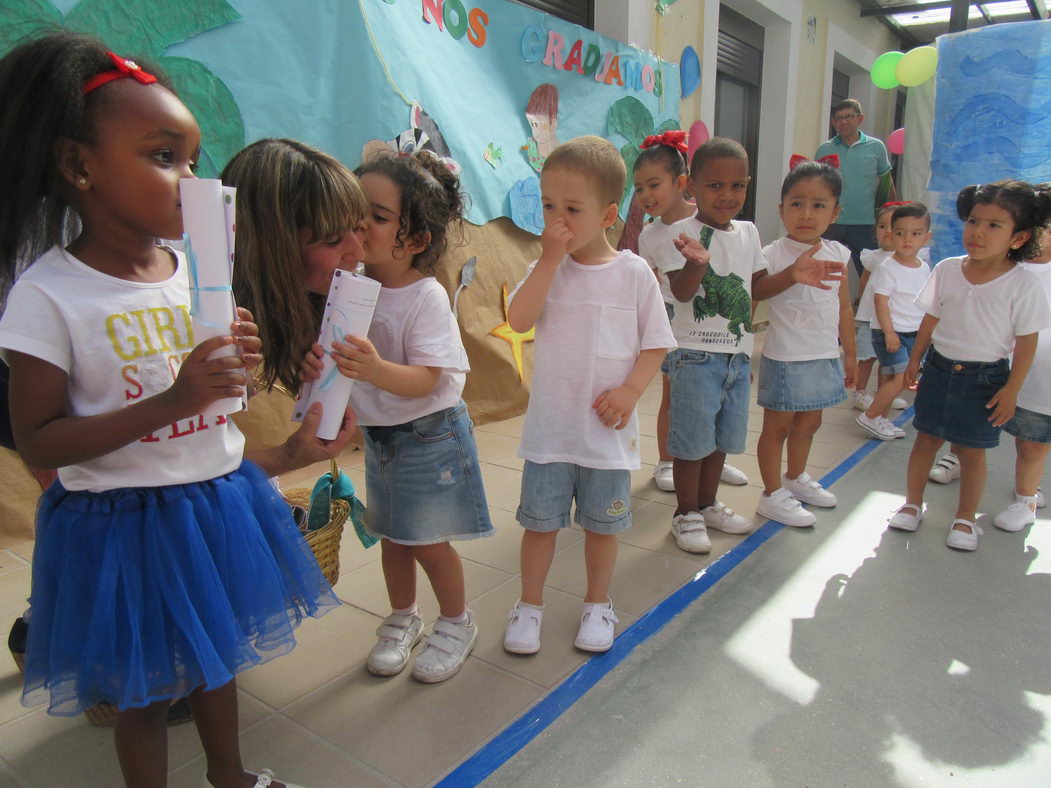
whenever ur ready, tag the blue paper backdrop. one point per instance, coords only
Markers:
(309, 70)
(992, 116)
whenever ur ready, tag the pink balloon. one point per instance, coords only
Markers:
(697, 137)
(896, 142)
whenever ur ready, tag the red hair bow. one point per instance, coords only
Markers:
(675, 138)
(832, 160)
(124, 68)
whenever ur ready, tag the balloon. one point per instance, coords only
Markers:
(689, 71)
(698, 136)
(883, 69)
(917, 66)
(896, 142)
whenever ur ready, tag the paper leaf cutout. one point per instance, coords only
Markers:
(24, 18)
(629, 118)
(671, 124)
(629, 153)
(662, 6)
(493, 155)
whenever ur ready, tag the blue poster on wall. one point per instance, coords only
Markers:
(489, 84)
(992, 116)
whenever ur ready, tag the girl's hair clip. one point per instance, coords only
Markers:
(675, 138)
(895, 203)
(832, 160)
(124, 68)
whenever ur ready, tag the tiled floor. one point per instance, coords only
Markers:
(319, 718)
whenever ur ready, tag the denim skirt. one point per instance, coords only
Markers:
(952, 396)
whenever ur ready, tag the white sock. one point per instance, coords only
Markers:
(460, 619)
(531, 607)
(411, 610)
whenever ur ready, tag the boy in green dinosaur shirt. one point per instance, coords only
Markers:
(716, 267)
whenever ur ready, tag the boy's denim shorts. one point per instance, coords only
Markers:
(801, 385)
(864, 349)
(423, 484)
(1029, 426)
(893, 363)
(951, 399)
(603, 497)
(709, 403)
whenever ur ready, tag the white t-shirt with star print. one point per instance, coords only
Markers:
(804, 320)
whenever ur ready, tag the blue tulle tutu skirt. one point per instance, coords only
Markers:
(143, 594)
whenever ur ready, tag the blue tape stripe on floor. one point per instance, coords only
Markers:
(502, 747)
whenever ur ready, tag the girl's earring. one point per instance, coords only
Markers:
(82, 181)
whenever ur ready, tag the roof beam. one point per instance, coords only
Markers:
(1038, 8)
(985, 14)
(907, 39)
(961, 10)
(1035, 7)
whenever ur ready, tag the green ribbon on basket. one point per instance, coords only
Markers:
(336, 484)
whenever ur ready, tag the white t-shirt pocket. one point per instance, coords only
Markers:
(618, 332)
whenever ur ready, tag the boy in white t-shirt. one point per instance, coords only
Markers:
(716, 267)
(601, 335)
(895, 284)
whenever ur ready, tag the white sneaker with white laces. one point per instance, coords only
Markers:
(663, 477)
(732, 475)
(523, 629)
(861, 399)
(1018, 515)
(807, 489)
(596, 627)
(877, 427)
(782, 508)
(946, 469)
(446, 650)
(898, 431)
(690, 532)
(722, 518)
(397, 636)
(963, 539)
(898, 404)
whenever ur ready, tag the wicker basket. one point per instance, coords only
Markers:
(325, 540)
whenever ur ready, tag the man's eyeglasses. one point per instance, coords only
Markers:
(841, 118)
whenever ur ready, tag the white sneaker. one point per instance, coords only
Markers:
(1040, 502)
(806, 489)
(1018, 515)
(446, 650)
(596, 627)
(662, 476)
(732, 475)
(898, 404)
(963, 540)
(523, 629)
(907, 518)
(397, 637)
(898, 431)
(264, 779)
(878, 427)
(946, 469)
(861, 399)
(690, 532)
(781, 507)
(722, 518)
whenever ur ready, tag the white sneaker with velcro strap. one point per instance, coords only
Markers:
(397, 637)
(946, 469)
(447, 648)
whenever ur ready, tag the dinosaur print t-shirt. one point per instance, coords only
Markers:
(718, 319)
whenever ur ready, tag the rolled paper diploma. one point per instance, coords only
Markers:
(208, 221)
(348, 311)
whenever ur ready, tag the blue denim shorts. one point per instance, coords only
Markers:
(1029, 426)
(893, 363)
(950, 401)
(423, 484)
(801, 385)
(863, 343)
(709, 403)
(603, 497)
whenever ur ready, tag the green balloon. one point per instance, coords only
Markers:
(917, 66)
(883, 69)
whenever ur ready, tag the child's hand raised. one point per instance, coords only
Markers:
(202, 381)
(614, 407)
(357, 359)
(807, 270)
(555, 240)
(692, 249)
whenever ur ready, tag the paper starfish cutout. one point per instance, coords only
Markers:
(512, 337)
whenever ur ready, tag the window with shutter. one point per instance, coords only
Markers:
(580, 12)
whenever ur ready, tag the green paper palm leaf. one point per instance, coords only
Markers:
(23, 18)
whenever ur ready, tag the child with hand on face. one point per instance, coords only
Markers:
(895, 285)
(801, 372)
(660, 189)
(978, 309)
(716, 268)
(601, 334)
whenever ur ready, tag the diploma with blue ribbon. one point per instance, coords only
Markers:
(208, 210)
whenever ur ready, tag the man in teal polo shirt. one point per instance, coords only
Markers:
(867, 181)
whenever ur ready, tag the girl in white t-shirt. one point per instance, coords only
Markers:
(979, 309)
(660, 189)
(423, 482)
(801, 373)
(163, 564)
(1031, 424)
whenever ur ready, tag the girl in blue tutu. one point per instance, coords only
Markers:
(164, 565)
